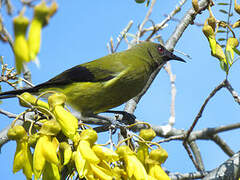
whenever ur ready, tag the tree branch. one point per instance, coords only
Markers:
(230, 169)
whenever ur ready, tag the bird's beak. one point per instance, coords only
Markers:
(170, 56)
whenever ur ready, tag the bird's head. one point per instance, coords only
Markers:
(159, 53)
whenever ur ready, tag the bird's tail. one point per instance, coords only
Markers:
(14, 93)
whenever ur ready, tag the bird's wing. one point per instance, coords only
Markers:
(81, 73)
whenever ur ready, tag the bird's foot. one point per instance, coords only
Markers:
(127, 118)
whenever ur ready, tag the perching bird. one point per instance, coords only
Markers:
(107, 82)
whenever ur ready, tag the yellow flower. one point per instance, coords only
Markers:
(236, 7)
(100, 172)
(50, 128)
(133, 166)
(20, 45)
(236, 24)
(51, 172)
(67, 152)
(142, 150)
(45, 150)
(68, 122)
(23, 156)
(155, 159)
(32, 100)
(104, 153)
(80, 164)
(41, 12)
(232, 43)
(87, 153)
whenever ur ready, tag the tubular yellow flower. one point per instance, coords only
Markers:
(209, 33)
(104, 153)
(157, 172)
(50, 150)
(236, 24)
(147, 134)
(20, 45)
(232, 43)
(17, 133)
(89, 135)
(86, 151)
(68, 122)
(142, 151)
(100, 172)
(119, 173)
(155, 159)
(23, 156)
(32, 140)
(50, 128)
(211, 19)
(32, 100)
(34, 39)
(52, 10)
(219, 53)
(80, 164)
(67, 152)
(159, 155)
(50, 172)
(236, 7)
(45, 150)
(133, 167)
(23, 159)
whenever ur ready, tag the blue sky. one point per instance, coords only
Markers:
(79, 33)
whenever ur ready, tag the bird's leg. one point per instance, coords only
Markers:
(127, 118)
(110, 120)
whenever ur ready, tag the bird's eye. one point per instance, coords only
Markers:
(160, 49)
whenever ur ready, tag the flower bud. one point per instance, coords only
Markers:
(105, 153)
(32, 100)
(20, 46)
(16, 133)
(34, 38)
(89, 135)
(50, 128)
(147, 134)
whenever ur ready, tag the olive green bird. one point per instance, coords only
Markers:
(107, 82)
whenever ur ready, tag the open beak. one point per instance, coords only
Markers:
(170, 56)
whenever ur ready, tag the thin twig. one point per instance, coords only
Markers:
(145, 20)
(187, 147)
(172, 78)
(198, 157)
(8, 36)
(223, 145)
(199, 115)
(122, 34)
(230, 169)
(232, 91)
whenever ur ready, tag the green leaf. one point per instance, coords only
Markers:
(224, 66)
(221, 31)
(222, 4)
(223, 11)
(1, 59)
(223, 46)
(236, 51)
(221, 39)
(229, 58)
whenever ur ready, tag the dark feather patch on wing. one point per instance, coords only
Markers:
(79, 74)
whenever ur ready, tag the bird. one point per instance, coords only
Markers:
(102, 84)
